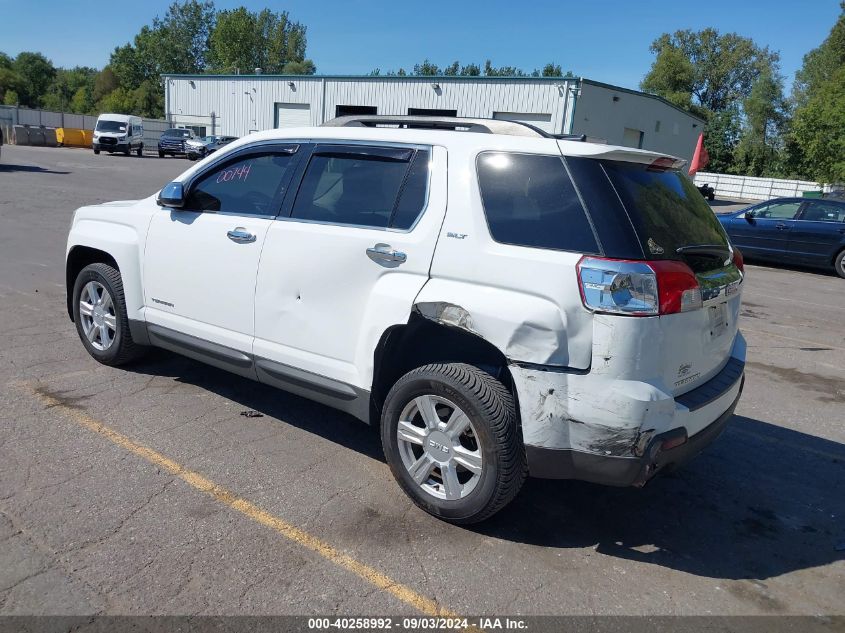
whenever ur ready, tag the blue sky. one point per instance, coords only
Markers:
(605, 41)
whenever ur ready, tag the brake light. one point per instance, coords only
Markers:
(664, 163)
(738, 260)
(637, 288)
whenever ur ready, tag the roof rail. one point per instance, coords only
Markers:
(482, 126)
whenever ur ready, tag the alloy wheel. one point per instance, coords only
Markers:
(96, 310)
(439, 447)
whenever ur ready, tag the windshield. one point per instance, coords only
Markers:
(178, 133)
(666, 208)
(104, 125)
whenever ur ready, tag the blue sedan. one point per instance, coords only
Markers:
(791, 230)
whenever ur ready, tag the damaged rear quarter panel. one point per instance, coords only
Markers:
(525, 328)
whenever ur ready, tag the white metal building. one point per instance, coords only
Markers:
(239, 104)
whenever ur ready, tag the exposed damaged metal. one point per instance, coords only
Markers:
(447, 314)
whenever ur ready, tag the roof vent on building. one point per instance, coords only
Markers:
(257, 71)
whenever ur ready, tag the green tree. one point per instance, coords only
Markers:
(503, 71)
(552, 70)
(37, 73)
(176, 43)
(11, 98)
(271, 41)
(10, 82)
(119, 101)
(305, 67)
(426, 69)
(724, 66)
(712, 75)
(818, 129)
(105, 82)
(758, 152)
(821, 63)
(672, 76)
(722, 138)
(67, 83)
(810, 134)
(82, 101)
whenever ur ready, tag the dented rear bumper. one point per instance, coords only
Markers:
(550, 463)
(618, 432)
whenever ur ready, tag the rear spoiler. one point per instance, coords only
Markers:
(622, 154)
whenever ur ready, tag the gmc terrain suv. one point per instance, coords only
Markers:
(501, 301)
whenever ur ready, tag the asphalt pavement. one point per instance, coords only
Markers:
(145, 490)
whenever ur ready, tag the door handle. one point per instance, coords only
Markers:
(241, 235)
(780, 226)
(385, 253)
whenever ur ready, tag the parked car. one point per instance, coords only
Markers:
(572, 312)
(808, 231)
(707, 191)
(119, 133)
(201, 147)
(173, 142)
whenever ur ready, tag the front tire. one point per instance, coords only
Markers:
(452, 441)
(97, 152)
(160, 154)
(99, 312)
(140, 150)
(839, 264)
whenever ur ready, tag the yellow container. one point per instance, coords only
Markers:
(74, 137)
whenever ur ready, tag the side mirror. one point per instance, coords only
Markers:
(749, 216)
(172, 195)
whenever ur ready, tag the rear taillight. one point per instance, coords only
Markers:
(637, 288)
(739, 262)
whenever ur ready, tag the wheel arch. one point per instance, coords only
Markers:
(78, 258)
(423, 341)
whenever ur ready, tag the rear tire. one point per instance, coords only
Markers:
(839, 264)
(463, 471)
(99, 312)
(140, 150)
(160, 154)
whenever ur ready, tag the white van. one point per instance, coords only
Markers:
(119, 133)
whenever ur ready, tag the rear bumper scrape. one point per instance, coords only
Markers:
(586, 426)
(550, 463)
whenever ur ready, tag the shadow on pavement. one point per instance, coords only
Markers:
(6, 167)
(762, 501)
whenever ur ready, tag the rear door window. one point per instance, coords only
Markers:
(666, 209)
(379, 187)
(529, 200)
(824, 212)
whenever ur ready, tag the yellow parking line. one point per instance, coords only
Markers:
(288, 530)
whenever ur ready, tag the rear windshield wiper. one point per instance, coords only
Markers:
(720, 251)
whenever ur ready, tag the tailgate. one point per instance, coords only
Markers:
(671, 221)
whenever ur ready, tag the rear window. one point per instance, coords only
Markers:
(529, 200)
(667, 210)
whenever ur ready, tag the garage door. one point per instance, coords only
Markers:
(537, 119)
(293, 115)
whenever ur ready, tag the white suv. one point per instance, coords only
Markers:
(502, 302)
